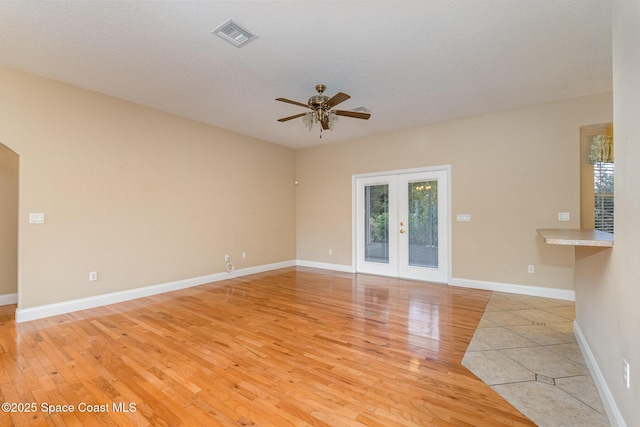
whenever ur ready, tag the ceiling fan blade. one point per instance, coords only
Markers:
(337, 99)
(292, 102)
(284, 119)
(354, 114)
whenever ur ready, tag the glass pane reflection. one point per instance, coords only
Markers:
(376, 199)
(423, 224)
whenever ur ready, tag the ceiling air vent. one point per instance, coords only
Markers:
(361, 109)
(232, 32)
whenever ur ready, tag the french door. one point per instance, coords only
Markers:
(402, 225)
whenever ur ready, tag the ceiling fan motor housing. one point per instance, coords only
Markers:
(317, 101)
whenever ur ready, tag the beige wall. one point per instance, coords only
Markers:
(607, 286)
(8, 221)
(513, 171)
(140, 196)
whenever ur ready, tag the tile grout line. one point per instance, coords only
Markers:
(524, 304)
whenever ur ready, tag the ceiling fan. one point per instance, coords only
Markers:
(321, 110)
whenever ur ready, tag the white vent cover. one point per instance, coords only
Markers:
(232, 32)
(361, 109)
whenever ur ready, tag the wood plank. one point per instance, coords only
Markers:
(296, 346)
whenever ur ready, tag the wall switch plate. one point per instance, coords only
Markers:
(36, 218)
(463, 217)
(531, 269)
(564, 216)
(93, 276)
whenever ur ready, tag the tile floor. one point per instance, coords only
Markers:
(524, 348)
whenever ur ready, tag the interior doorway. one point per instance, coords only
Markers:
(9, 176)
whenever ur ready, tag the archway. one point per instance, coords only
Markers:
(9, 178)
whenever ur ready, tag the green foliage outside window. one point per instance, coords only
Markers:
(378, 213)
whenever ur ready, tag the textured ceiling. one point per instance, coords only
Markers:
(409, 62)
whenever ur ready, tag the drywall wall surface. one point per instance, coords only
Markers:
(512, 171)
(137, 195)
(607, 288)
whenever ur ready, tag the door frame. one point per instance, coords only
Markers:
(354, 210)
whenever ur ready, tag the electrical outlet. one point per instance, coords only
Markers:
(626, 373)
(330, 251)
(93, 276)
(36, 218)
(244, 255)
(227, 258)
(531, 269)
(564, 216)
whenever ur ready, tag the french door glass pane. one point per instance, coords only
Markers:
(376, 199)
(423, 224)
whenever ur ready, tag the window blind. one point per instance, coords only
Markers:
(603, 174)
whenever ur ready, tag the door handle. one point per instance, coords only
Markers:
(402, 231)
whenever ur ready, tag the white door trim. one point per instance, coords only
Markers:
(354, 210)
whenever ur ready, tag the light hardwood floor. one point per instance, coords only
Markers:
(292, 347)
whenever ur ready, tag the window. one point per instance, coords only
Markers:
(603, 195)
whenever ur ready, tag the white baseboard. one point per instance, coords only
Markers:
(327, 266)
(7, 299)
(613, 413)
(42, 311)
(535, 291)
(39, 312)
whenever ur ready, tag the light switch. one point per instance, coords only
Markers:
(463, 217)
(36, 218)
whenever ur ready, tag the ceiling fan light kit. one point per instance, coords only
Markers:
(321, 110)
